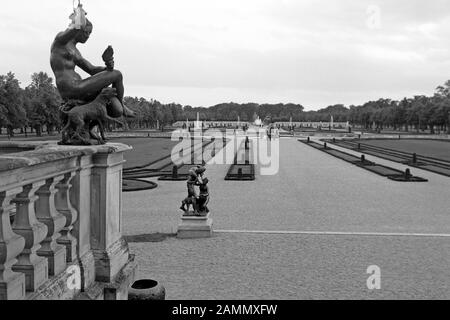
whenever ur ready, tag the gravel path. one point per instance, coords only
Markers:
(239, 266)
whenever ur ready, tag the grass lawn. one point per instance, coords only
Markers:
(145, 150)
(432, 148)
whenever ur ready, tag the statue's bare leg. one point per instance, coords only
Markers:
(101, 128)
(88, 89)
(91, 127)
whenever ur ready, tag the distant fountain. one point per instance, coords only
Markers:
(198, 124)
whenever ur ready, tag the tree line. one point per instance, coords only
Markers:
(416, 113)
(36, 107)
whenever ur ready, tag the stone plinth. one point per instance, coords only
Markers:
(109, 248)
(192, 227)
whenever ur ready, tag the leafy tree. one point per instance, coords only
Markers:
(4, 121)
(43, 103)
(11, 102)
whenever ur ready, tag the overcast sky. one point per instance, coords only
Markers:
(204, 52)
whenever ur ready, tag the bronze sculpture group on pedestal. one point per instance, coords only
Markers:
(80, 95)
(199, 202)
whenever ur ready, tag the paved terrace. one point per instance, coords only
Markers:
(309, 232)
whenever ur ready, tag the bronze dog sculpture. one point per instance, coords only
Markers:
(85, 117)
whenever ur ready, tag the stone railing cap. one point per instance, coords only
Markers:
(50, 151)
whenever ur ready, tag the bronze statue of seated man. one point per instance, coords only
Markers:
(74, 90)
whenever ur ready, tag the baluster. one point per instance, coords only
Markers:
(47, 214)
(26, 225)
(63, 205)
(12, 284)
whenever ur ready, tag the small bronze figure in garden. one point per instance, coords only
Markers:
(195, 178)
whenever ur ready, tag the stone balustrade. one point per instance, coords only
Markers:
(60, 223)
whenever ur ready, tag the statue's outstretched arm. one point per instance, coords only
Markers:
(88, 67)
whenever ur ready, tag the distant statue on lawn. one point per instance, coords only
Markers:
(199, 202)
(76, 91)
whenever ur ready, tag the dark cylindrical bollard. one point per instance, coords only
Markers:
(407, 174)
(325, 145)
(175, 172)
(146, 289)
(363, 158)
(359, 146)
(414, 158)
(240, 172)
(308, 140)
(334, 140)
(180, 139)
(213, 152)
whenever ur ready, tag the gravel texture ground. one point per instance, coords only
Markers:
(259, 266)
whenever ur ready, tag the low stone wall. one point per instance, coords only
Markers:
(60, 223)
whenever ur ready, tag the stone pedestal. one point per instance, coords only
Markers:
(192, 227)
(110, 249)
